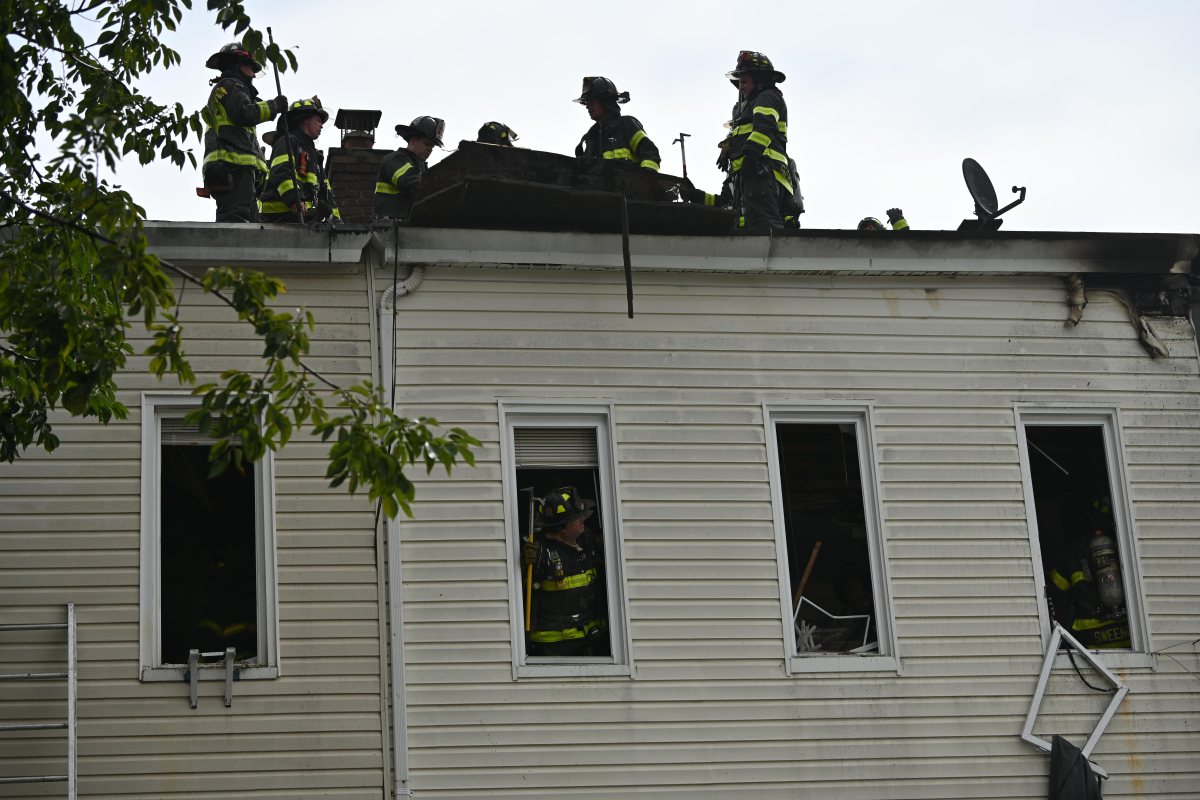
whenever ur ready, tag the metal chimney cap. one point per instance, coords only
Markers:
(357, 119)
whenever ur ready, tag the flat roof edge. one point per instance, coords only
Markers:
(804, 251)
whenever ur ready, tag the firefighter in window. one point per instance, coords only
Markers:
(1086, 591)
(567, 609)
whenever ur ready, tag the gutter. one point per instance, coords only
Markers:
(395, 599)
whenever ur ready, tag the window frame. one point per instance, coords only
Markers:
(859, 414)
(156, 405)
(1108, 419)
(566, 413)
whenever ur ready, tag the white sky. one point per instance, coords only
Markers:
(1091, 105)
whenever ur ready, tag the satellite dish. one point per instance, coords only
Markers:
(984, 194)
(980, 187)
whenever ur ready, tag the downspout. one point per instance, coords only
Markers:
(387, 374)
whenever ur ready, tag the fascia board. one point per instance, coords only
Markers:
(825, 253)
(212, 243)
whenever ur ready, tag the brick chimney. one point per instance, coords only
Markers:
(354, 165)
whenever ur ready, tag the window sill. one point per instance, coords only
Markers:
(207, 673)
(843, 663)
(573, 671)
(1119, 660)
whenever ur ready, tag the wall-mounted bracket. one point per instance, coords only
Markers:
(192, 675)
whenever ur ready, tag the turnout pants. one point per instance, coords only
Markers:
(234, 189)
(760, 199)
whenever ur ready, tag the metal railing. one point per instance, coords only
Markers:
(71, 778)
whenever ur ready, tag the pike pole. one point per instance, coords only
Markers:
(529, 568)
(682, 151)
(286, 137)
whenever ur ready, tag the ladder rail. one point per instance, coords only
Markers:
(71, 723)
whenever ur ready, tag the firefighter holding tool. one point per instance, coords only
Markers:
(567, 608)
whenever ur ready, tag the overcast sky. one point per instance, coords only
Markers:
(1090, 105)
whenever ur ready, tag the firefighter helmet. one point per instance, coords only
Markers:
(870, 224)
(750, 62)
(497, 133)
(599, 88)
(431, 128)
(231, 55)
(306, 108)
(561, 506)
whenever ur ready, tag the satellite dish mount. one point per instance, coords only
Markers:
(986, 205)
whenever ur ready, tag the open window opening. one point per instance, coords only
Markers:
(1083, 560)
(565, 545)
(207, 567)
(834, 602)
(208, 547)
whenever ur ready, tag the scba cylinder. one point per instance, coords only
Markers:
(1106, 569)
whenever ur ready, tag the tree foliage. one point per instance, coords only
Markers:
(75, 273)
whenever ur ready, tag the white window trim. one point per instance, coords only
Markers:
(154, 404)
(1108, 418)
(860, 415)
(567, 413)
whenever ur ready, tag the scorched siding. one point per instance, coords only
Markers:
(710, 711)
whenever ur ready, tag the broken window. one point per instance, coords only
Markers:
(1080, 529)
(205, 557)
(567, 601)
(835, 593)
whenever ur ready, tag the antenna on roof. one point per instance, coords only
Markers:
(984, 195)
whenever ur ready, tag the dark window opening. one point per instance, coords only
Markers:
(564, 597)
(829, 560)
(208, 562)
(1077, 535)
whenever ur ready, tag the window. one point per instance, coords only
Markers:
(567, 595)
(833, 584)
(1081, 528)
(207, 551)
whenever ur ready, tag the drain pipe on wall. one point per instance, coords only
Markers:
(387, 379)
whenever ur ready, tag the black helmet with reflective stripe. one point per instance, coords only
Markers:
(561, 506)
(602, 89)
(497, 133)
(306, 108)
(750, 62)
(870, 224)
(231, 55)
(431, 128)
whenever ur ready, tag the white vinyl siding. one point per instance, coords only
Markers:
(711, 711)
(70, 531)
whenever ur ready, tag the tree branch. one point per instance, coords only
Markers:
(187, 276)
(17, 354)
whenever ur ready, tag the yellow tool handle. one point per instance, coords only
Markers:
(528, 595)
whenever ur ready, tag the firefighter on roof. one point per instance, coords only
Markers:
(895, 217)
(497, 133)
(568, 580)
(233, 163)
(298, 190)
(401, 171)
(613, 136)
(755, 152)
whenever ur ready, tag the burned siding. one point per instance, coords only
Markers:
(710, 711)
